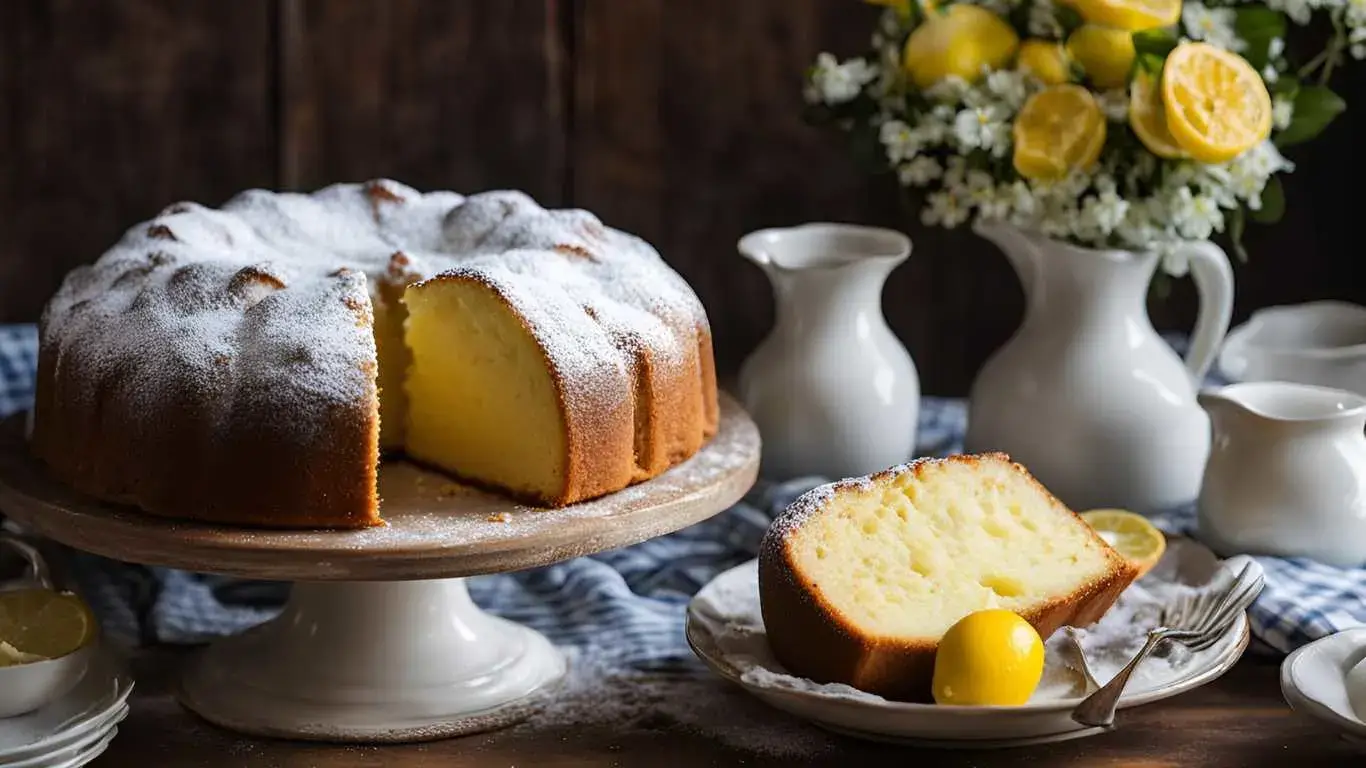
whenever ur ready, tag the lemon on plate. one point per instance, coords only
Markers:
(1130, 534)
(1131, 15)
(1216, 104)
(988, 658)
(1045, 60)
(42, 623)
(1105, 54)
(962, 41)
(1148, 117)
(1058, 130)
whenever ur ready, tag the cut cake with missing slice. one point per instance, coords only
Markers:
(860, 579)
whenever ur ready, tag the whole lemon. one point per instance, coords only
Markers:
(1106, 55)
(1045, 60)
(990, 657)
(961, 40)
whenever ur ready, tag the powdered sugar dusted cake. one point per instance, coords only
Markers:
(237, 365)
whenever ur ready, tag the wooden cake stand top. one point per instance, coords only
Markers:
(436, 528)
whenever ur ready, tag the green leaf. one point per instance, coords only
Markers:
(1155, 42)
(1287, 87)
(1068, 18)
(1315, 108)
(1258, 26)
(1149, 63)
(1273, 203)
(1236, 223)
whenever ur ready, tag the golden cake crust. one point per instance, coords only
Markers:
(220, 364)
(812, 639)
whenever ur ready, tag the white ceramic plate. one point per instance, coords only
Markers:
(1314, 681)
(87, 746)
(96, 703)
(1044, 719)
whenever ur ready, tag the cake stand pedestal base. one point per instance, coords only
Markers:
(374, 661)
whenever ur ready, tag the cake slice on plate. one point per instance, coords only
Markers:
(859, 579)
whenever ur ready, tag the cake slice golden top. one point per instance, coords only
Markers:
(860, 579)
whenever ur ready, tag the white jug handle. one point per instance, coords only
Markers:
(1213, 275)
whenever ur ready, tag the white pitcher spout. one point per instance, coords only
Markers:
(823, 246)
(1279, 401)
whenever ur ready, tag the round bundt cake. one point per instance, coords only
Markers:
(249, 364)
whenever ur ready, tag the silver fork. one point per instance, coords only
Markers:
(1199, 624)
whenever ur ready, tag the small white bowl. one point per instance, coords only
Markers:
(26, 687)
(1314, 682)
(1316, 342)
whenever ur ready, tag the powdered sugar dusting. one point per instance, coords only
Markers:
(269, 299)
(599, 697)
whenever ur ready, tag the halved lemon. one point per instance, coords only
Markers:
(1058, 130)
(1217, 106)
(1131, 15)
(1130, 534)
(1148, 117)
(43, 623)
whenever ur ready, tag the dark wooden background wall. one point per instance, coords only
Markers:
(675, 119)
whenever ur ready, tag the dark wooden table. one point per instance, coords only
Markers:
(1240, 720)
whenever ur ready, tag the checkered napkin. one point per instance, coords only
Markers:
(624, 606)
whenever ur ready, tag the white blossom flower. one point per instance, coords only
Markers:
(1115, 104)
(899, 140)
(1043, 20)
(1212, 25)
(1299, 11)
(982, 128)
(920, 171)
(1009, 87)
(1357, 39)
(950, 90)
(1282, 112)
(1196, 216)
(835, 83)
(945, 210)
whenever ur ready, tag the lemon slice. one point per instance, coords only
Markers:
(1105, 54)
(990, 657)
(1148, 118)
(1130, 534)
(1131, 15)
(1059, 129)
(44, 623)
(1216, 104)
(960, 41)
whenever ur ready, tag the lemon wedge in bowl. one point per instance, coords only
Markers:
(1130, 534)
(43, 623)
(988, 658)
(47, 639)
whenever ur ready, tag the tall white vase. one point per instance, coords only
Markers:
(1086, 394)
(832, 389)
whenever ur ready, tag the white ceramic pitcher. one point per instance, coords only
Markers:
(832, 389)
(1086, 394)
(1287, 474)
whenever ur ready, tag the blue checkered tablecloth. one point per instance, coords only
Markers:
(625, 605)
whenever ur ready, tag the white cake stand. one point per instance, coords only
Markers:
(379, 641)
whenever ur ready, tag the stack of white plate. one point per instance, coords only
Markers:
(74, 729)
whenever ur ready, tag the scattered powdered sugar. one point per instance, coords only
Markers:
(729, 612)
(601, 698)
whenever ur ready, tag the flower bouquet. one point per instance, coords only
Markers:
(1130, 124)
